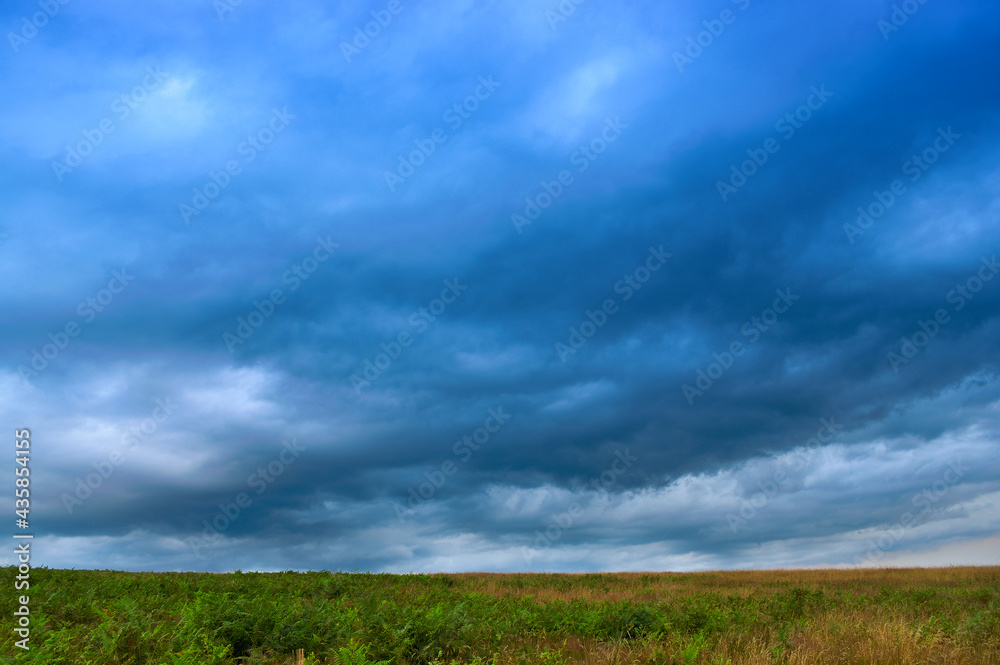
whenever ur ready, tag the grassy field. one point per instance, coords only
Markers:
(943, 615)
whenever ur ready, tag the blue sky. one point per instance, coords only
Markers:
(503, 286)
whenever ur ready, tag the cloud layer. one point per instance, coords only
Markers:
(523, 287)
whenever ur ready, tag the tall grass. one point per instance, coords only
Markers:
(942, 615)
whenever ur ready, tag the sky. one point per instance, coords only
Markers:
(480, 286)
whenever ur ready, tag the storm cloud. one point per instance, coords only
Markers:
(484, 286)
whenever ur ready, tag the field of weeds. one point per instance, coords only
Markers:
(939, 615)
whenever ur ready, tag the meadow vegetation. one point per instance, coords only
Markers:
(942, 615)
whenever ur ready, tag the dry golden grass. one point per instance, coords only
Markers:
(652, 586)
(872, 635)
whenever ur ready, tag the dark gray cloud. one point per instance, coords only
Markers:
(379, 362)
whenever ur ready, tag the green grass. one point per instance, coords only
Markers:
(105, 617)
